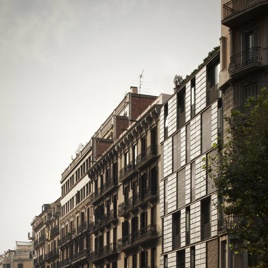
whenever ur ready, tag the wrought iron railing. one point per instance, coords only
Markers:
(147, 154)
(139, 236)
(245, 58)
(55, 230)
(235, 7)
(134, 201)
(106, 187)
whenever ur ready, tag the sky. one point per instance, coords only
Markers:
(64, 66)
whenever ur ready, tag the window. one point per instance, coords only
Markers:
(176, 232)
(192, 257)
(154, 140)
(166, 121)
(143, 222)
(181, 108)
(144, 259)
(205, 218)
(187, 227)
(188, 141)
(223, 254)
(126, 262)
(251, 90)
(153, 257)
(165, 261)
(134, 228)
(181, 259)
(126, 160)
(134, 261)
(249, 46)
(134, 154)
(20, 265)
(193, 97)
(213, 70)
(143, 147)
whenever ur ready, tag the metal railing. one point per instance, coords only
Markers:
(235, 7)
(139, 236)
(106, 187)
(245, 58)
(134, 201)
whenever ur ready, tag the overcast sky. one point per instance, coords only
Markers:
(64, 66)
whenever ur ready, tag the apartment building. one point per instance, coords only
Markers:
(190, 122)
(97, 183)
(45, 236)
(20, 257)
(244, 66)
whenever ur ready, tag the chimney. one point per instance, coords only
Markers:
(134, 90)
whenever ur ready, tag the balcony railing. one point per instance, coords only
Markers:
(105, 188)
(138, 237)
(146, 155)
(54, 231)
(228, 223)
(80, 255)
(103, 252)
(82, 227)
(135, 201)
(51, 254)
(128, 170)
(104, 220)
(246, 59)
(236, 7)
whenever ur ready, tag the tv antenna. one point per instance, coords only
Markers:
(140, 80)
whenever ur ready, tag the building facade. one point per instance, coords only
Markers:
(244, 66)
(96, 229)
(190, 122)
(45, 236)
(20, 257)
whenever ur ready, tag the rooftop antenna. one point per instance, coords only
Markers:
(140, 80)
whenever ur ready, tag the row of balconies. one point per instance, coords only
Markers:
(138, 237)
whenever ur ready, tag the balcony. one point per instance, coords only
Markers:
(246, 61)
(104, 189)
(65, 239)
(128, 170)
(82, 228)
(51, 255)
(147, 155)
(105, 252)
(148, 194)
(143, 235)
(54, 231)
(80, 255)
(227, 223)
(104, 220)
(236, 12)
